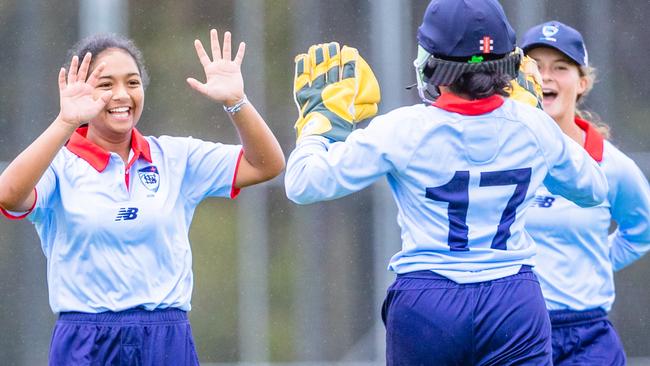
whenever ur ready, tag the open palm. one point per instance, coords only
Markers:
(76, 93)
(224, 81)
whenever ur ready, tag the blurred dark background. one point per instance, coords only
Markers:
(275, 282)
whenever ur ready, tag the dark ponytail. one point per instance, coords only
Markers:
(483, 84)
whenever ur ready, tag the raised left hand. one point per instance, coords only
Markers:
(224, 82)
(527, 87)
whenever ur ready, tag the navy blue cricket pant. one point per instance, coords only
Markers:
(126, 338)
(585, 338)
(431, 320)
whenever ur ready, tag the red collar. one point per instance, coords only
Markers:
(96, 156)
(453, 103)
(593, 139)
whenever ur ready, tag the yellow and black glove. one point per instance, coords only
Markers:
(334, 89)
(527, 87)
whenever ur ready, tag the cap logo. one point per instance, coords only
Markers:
(486, 44)
(549, 31)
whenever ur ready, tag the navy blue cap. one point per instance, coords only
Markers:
(463, 28)
(560, 36)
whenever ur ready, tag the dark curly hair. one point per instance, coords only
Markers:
(97, 43)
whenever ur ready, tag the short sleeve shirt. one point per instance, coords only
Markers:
(116, 235)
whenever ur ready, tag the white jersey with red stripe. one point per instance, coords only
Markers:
(576, 254)
(462, 174)
(116, 235)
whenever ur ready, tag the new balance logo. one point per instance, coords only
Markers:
(543, 201)
(127, 213)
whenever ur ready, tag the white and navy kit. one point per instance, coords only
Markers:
(576, 254)
(115, 235)
(577, 257)
(462, 173)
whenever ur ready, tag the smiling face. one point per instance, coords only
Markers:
(122, 77)
(562, 82)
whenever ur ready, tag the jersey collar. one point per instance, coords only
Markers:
(593, 139)
(96, 156)
(453, 103)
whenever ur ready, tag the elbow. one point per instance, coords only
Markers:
(7, 203)
(273, 166)
(296, 192)
(299, 199)
(7, 195)
(4, 201)
(276, 163)
(272, 170)
(277, 168)
(296, 195)
(264, 171)
(13, 198)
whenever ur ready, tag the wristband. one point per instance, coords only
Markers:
(237, 106)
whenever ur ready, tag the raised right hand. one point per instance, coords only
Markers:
(334, 88)
(78, 102)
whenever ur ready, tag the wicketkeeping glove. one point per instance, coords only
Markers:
(527, 87)
(334, 89)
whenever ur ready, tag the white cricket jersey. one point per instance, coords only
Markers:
(116, 236)
(462, 174)
(576, 258)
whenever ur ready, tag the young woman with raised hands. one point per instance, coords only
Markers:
(113, 207)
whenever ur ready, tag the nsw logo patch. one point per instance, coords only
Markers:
(150, 178)
(549, 31)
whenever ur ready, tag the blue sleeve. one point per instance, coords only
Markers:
(318, 170)
(572, 173)
(45, 189)
(630, 208)
(210, 170)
